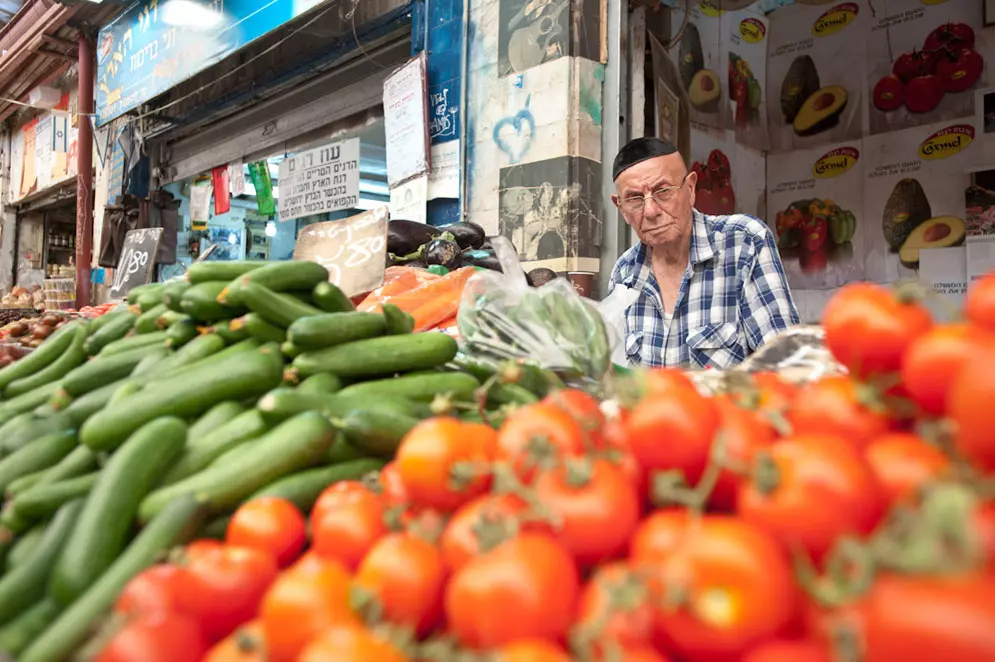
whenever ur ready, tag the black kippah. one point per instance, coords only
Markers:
(639, 150)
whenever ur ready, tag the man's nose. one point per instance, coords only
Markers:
(651, 207)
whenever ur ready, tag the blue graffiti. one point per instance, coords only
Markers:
(513, 135)
(444, 119)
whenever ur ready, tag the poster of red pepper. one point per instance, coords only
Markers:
(926, 58)
(815, 205)
(730, 176)
(746, 32)
(816, 62)
(700, 59)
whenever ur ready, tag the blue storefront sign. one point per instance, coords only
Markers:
(155, 44)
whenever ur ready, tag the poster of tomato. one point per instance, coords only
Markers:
(730, 176)
(926, 58)
(746, 32)
(700, 59)
(914, 194)
(815, 200)
(816, 62)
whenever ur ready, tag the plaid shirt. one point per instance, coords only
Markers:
(734, 296)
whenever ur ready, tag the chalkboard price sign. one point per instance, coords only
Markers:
(137, 259)
(354, 250)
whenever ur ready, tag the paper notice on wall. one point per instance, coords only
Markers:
(236, 178)
(944, 271)
(443, 178)
(407, 201)
(701, 60)
(980, 252)
(320, 180)
(405, 102)
(200, 203)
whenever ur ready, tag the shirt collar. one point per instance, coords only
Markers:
(702, 250)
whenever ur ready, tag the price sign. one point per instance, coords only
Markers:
(136, 262)
(354, 250)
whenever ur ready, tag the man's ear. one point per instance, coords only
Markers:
(615, 200)
(692, 186)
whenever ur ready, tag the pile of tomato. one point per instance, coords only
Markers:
(850, 518)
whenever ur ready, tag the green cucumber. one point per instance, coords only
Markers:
(260, 329)
(193, 352)
(27, 402)
(397, 321)
(127, 389)
(150, 298)
(174, 524)
(20, 632)
(41, 501)
(138, 290)
(181, 332)
(200, 302)
(102, 531)
(202, 451)
(374, 432)
(25, 482)
(24, 548)
(134, 342)
(293, 446)
(149, 322)
(42, 453)
(342, 451)
(226, 271)
(331, 299)
(290, 350)
(216, 529)
(156, 356)
(326, 382)
(284, 276)
(379, 356)
(320, 331)
(276, 308)
(303, 488)
(100, 322)
(78, 462)
(168, 319)
(46, 354)
(218, 415)
(57, 369)
(459, 385)
(115, 329)
(282, 403)
(87, 405)
(172, 293)
(105, 369)
(187, 393)
(21, 432)
(26, 584)
(229, 331)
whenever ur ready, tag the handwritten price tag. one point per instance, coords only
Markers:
(353, 250)
(137, 259)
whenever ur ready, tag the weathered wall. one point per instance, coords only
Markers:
(534, 127)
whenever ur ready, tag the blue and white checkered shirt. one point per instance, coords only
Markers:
(734, 296)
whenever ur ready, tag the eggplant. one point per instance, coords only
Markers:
(444, 252)
(405, 237)
(467, 235)
(481, 258)
(541, 276)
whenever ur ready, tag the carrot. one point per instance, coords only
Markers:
(397, 280)
(439, 309)
(451, 282)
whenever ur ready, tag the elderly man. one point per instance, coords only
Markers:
(711, 289)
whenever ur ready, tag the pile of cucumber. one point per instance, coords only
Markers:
(125, 435)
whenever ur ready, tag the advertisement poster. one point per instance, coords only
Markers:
(914, 195)
(815, 199)
(701, 62)
(730, 176)
(816, 62)
(746, 32)
(925, 60)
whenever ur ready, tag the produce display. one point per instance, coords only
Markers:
(909, 225)
(702, 85)
(744, 90)
(440, 249)
(808, 107)
(713, 191)
(241, 465)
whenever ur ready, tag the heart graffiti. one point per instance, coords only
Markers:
(513, 135)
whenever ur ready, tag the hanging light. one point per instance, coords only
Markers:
(270, 229)
(232, 238)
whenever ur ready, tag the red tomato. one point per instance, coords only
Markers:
(979, 304)
(246, 644)
(525, 587)
(444, 462)
(933, 361)
(350, 643)
(301, 604)
(734, 589)
(811, 490)
(221, 586)
(346, 523)
(666, 380)
(744, 433)
(903, 463)
(673, 431)
(789, 651)
(868, 328)
(930, 619)
(536, 435)
(161, 637)
(271, 525)
(836, 405)
(616, 604)
(531, 650)
(336, 494)
(640, 654)
(585, 410)
(405, 576)
(658, 535)
(150, 592)
(594, 506)
(969, 406)
(481, 524)
(984, 528)
(394, 493)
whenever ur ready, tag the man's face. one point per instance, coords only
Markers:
(655, 198)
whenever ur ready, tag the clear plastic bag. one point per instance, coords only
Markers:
(612, 309)
(503, 319)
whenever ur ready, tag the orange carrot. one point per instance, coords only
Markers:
(451, 282)
(436, 310)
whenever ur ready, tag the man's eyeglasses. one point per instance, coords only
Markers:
(664, 197)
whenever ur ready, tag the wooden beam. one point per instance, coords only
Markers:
(58, 42)
(71, 57)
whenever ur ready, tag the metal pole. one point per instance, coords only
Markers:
(84, 169)
(616, 115)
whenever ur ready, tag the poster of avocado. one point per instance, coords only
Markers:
(746, 114)
(914, 194)
(815, 203)
(816, 62)
(730, 176)
(700, 59)
(925, 59)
